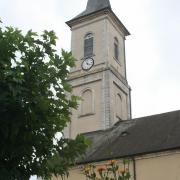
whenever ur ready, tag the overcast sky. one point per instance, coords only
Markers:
(152, 50)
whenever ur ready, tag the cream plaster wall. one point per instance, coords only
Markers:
(121, 111)
(162, 167)
(76, 173)
(97, 26)
(91, 121)
(114, 31)
(104, 31)
(104, 86)
(157, 166)
(100, 78)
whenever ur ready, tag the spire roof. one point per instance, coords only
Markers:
(94, 6)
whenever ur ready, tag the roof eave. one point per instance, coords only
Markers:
(127, 33)
(72, 21)
(105, 10)
(127, 156)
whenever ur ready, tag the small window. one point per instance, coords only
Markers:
(116, 49)
(88, 45)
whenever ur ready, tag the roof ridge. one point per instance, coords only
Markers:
(158, 114)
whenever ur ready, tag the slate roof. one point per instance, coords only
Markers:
(134, 137)
(94, 6)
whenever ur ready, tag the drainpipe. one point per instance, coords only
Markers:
(134, 168)
(130, 103)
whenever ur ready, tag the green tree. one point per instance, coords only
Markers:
(34, 106)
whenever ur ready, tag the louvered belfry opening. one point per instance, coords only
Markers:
(88, 45)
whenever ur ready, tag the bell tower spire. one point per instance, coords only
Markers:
(96, 5)
(98, 44)
(92, 7)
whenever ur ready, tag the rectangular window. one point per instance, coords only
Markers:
(88, 47)
(116, 51)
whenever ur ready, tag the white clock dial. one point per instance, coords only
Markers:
(87, 63)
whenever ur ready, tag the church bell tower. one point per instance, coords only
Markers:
(99, 78)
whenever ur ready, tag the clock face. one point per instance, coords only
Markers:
(87, 64)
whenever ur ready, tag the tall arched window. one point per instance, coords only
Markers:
(88, 45)
(87, 102)
(118, 106)
(116, 48)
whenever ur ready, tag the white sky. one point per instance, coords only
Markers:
(152, 50)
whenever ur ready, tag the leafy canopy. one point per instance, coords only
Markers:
(34, 106)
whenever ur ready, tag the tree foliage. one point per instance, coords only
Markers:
(34, 106)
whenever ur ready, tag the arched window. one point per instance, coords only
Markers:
(116, 48)
(87, 102)
(118, 106)
(88, 45)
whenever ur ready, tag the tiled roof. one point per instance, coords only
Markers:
(134, 137)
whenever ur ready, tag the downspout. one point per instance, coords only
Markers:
(134, 168)
(130, 103)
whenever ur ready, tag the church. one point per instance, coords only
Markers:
(104, 115)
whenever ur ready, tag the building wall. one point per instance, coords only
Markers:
(102, 108)
(76, 173)
(165, 166)
(157, 166)
(104, 31)
(120, 104)
(88, 116)
(101, 79)
(98, 27)
(114, 32)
